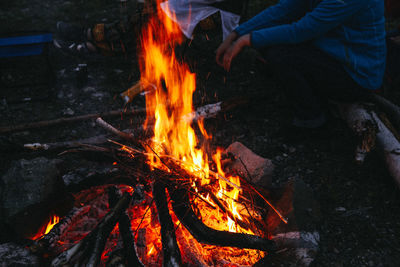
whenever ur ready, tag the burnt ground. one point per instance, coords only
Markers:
(359, 220)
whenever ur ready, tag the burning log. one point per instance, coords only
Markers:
(49, 240)
(171, 252)
(88, 251)
(205, 234)
(370, 126)
(125, 230)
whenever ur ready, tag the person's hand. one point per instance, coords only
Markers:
(235, 49)
(224, 47)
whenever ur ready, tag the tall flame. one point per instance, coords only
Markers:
(173, 135)
(173, 97)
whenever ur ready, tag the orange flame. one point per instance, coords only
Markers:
(173, 136)
(173, 97)
(45, 230)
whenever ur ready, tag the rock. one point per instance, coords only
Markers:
(28, 191)
(14, 255)
(260, 169)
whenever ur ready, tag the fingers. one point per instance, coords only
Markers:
(224, 47)
(232, 52)
(220, 55)
(221, 51)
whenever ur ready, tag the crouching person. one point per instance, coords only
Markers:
(318, 50)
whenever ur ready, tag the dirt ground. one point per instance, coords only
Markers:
(359, 220)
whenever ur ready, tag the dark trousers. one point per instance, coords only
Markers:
(310, 77)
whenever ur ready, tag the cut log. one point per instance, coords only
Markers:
(358, 117)
(360, 121)
(392, 110)
(205, 234)
(171, 252)
(247, 164)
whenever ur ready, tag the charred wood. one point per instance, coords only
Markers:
(105, 228)
(171, 252)
(88, 251)
(224, 208)
(49, 240)
(124, 224)
(117, 259)
(205, 234)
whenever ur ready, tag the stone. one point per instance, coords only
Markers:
(246, 162)
(14, 255)
(28, 192)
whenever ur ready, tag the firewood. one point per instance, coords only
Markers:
(205, 234)
(171, 252)
(225, 209)
(64, 120)
(360, 121)
(88, 251)
(117, 259)
(204, 112)
(110, 128)
(358, 117)
(96, 140)
(47, 241)
(124, 224)
(392, 110)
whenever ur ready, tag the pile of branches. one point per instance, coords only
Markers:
(166, 186)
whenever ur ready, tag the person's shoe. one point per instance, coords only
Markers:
(69, 32)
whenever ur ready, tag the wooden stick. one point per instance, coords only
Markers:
(205, 234)
(171, 252)
(88, 251)
(204, 112)
(124, 224)
(96, 140)
(47, 241)
(226, 210)
(64, 120)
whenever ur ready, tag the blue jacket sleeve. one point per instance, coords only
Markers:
(285, 11)
(327, 15)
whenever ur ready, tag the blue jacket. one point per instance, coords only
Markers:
(352, 31)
